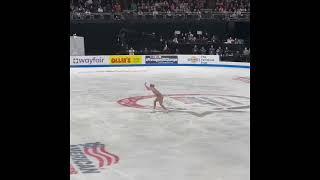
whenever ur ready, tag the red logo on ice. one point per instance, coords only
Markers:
(90, 158)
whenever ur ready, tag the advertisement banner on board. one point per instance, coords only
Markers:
(125, 59)
(161, 59)
(209, 59)
(88, 60)
(189, 59)
(198, 59)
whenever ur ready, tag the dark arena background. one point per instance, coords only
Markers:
(196, 53)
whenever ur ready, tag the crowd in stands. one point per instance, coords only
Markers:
(186, 43)
(155, 6)
(95, 6)
(232, 6)
(166, 5)
(200, 37)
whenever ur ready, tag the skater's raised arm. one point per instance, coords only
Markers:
(145, 84)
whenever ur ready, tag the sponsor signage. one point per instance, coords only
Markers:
(161, 59)
(125, 59)
(87, 60)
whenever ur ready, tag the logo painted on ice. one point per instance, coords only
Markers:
(90, 158)
(196, 104)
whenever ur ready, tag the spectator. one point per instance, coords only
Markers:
(175, 40)
(227, 52)
(217, 9)
(147, 8)
(155, 12)
(195, 49)
(81, 9)
(77, 15)
(230, 40)
(219, 51)
(240, 41)
(153, 36)
(181, 35)
(238, 12)
(184, 6)
(214, 38)
(193, 39)
(190, 36)
(100, 10)
(237, 54)
(71, 8)
(236, 41)
(108, 7)
(203, 50)
(188, 11)
(234, 15)
(199, 13)
(204, 39)
(177, 51)
(177, 9)
(172, 7)
(146, 51)
(133, 6)
(131, 51)
(212, 51)
(117, 8)
(166, 49)
(184, 40)
(87, 12)
(88, 3)
(246, 52)
(206, 35)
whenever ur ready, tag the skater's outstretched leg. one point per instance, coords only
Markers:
(155, 103)
(161, 104)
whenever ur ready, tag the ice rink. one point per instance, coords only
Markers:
(115, 135)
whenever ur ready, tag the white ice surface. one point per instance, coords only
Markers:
(161, 146)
